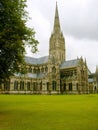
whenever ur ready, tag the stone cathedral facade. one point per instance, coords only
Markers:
(51, 74)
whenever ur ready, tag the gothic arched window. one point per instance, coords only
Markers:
(34, 86)
(28, 86)
(7, 85)
(38, 71)
(34, 70)
(42, 69)
(70, 86)
(16, 85)
(47, 86)
(41, 86)
(64, 88)
(21, 85)
(54, 85)
(46, 69)
(54, 69)
(30, 70)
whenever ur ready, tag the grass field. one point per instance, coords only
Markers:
(40, 112)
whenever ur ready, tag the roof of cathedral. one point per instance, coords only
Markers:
(90, 80)
(69, 63)
(31, 75)
(40, 75)
(36, 61)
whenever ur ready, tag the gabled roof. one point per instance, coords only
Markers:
(89, 72)
(70, 63)
(40, 75)
(90, 80)
(36, 61)
(31, 75)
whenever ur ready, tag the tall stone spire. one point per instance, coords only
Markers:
(57, 41)
(56, 21)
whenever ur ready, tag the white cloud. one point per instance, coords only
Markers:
(86, 48)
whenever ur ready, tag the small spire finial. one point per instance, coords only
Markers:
(56, 3)
(56, 20)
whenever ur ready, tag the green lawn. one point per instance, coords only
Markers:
(50, 112)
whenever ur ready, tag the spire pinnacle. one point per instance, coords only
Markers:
(56, 20)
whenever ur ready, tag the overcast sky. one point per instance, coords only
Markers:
(79, 24)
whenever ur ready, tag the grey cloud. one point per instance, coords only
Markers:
(78, 17)
(81, 21)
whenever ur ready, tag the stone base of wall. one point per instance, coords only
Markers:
(43, 92)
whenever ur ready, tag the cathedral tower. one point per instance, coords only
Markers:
(57, 41)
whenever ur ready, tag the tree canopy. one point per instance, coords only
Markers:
(14, 36)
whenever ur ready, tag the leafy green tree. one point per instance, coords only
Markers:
(14, 37)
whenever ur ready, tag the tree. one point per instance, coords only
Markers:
(14, 36)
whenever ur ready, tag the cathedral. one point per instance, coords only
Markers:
(51, 74)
